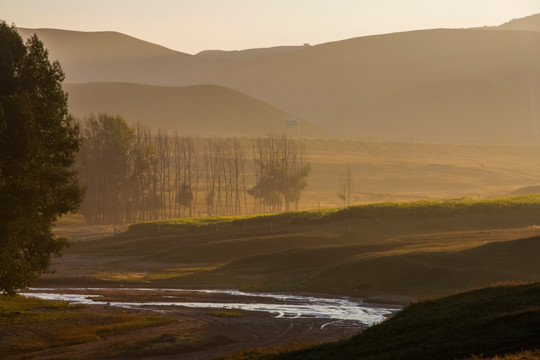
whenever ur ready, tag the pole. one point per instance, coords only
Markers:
(533, 107)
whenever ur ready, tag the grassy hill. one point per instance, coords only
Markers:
(389, 252)
(201, 110)
(495, 322)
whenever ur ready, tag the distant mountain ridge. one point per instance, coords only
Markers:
(529, 23)
(200, 110)
(466, 85)
(247, 53)
(112, 56)
(81, 44)
(358, 86)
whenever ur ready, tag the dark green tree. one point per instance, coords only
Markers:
(38, 143)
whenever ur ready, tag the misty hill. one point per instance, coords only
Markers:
(530, 23)
(446, 85)
(222, 54)
(435, 85)
(112, 56)
(202, 110)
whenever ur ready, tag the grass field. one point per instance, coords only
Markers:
(393, 171)
(412, 171)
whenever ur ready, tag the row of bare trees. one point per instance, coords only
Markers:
(133, 174)
(225, 177)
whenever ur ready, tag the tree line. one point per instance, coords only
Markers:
(136, 174)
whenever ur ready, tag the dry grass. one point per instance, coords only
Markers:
(165, 344)
(121, 276)
(162, 274)
(522, 355)
(178, 272)
(32, 324)
(270, 352)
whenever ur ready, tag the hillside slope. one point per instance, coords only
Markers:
(202, 110)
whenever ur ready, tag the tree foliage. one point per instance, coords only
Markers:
(281, 171)
(133, 175)
(38, 143)
(103, 167)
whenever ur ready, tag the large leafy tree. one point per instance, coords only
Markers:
(38, 143)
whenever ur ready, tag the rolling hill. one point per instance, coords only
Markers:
(467, 85)
(201, 110)
(385, 252)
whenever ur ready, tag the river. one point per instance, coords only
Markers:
(334, 309)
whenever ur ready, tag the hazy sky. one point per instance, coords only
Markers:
(194, 25)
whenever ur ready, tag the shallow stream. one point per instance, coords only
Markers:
(281, 305)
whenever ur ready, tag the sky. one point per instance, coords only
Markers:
(191, 26)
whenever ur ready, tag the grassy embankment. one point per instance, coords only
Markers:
(499, 322)
(383, 252)
(28, 325)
